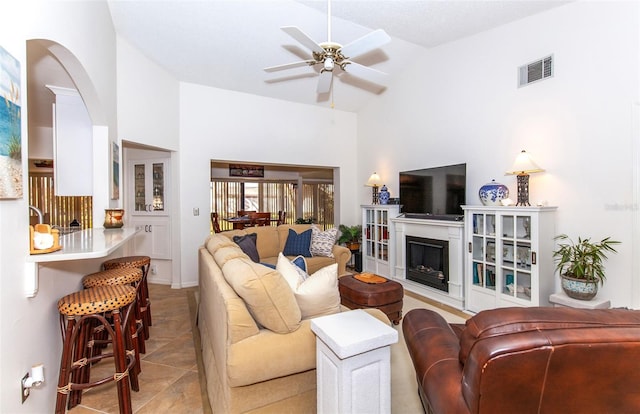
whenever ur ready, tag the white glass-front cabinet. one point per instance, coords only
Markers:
(149, 178)
(149, 207)
(509, 256)
(377, 235)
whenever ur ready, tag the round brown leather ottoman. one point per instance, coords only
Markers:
(386, 296)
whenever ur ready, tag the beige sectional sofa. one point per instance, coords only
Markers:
(250, 367)
(271, 241)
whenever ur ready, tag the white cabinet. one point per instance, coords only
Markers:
(509, 258)
(72, 144)
(154, 238)
(148, 206)
(378, 254)
(149, 187)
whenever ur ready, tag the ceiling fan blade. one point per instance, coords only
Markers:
(303, 38)
(290, 65)
(366, 73)
(324, 81)
(365, 44)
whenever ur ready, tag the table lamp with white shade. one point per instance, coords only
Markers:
(374, 182)
(522, 167)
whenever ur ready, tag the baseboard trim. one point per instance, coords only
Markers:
(439, 305)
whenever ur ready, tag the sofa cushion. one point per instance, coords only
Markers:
(248, 245)
(268, 355)
(316, 294)
(298, 243)
(216, 241)
(266, 293)
(322, 241)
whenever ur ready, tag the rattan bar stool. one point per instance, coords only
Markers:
(124, 276)
(143, 263)
(80, 313)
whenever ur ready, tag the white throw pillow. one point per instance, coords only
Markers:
(291, 273)
(322, 241)
(318, 294)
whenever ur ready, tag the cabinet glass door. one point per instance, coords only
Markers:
(158, 186)
(483, 247)
(140, 187)
(369, 233)
(382, 235)
(516, 257)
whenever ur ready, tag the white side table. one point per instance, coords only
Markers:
(561, 299)
(353, 363)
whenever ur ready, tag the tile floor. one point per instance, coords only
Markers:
(169, 381)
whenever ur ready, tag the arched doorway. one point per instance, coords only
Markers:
(51, 64)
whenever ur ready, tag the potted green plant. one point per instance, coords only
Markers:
(350, 236)
(581, 265)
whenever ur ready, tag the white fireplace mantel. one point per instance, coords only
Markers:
(451, 231)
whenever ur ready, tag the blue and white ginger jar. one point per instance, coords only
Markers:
(493, 193)
(383, 195)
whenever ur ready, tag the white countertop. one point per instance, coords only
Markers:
(87, 244)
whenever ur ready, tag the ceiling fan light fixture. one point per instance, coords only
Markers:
(328, 64)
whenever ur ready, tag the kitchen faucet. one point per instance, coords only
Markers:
(39, 213)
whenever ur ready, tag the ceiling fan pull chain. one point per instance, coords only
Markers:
(332, 101)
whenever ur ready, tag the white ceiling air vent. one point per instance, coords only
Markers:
(535, 71)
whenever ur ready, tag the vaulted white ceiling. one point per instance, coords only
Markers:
(227, 44)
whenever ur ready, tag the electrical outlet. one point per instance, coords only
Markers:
(154, 269)
(196, 211)
(24, 391)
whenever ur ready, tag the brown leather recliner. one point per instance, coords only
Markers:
(527, 360)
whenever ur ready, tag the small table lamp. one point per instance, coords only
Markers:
(374, 181)
(523, 166)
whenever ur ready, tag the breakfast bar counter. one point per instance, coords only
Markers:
(80, 246)
(87, 244)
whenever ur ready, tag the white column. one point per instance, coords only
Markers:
(353, 363)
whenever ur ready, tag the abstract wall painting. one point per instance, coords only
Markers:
(115, 171)
(10, 127)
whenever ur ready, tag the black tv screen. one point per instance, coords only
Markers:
(438, 191)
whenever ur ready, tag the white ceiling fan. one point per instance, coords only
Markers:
(333, 56)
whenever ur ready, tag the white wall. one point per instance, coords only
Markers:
(147, 100)
(224, 125)
(460, 103)
(30, 330)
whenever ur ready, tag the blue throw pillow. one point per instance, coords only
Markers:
(300, 262)
(268, 265)
(298, 244)
(248, 245)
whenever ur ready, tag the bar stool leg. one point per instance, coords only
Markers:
(121, 376)
(133, 343)
(146, 301)
(65, 365)
(139, 323)
(82, 352)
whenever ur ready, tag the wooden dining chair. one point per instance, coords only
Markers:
(214, 222)
(260, 219)
(282, 215)
(242, 213)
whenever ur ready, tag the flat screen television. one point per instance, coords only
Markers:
(437, 192)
